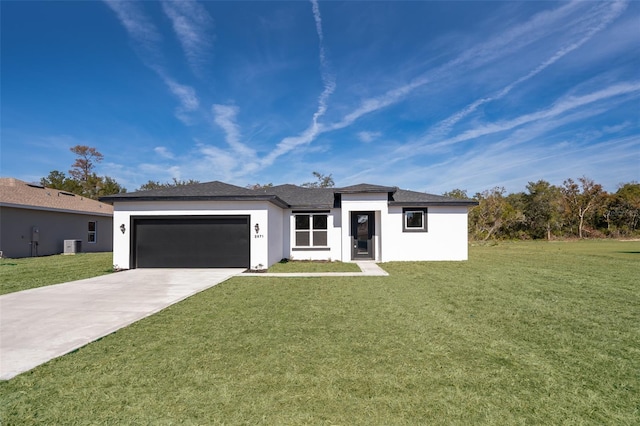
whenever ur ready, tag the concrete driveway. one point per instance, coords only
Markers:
(40, 324)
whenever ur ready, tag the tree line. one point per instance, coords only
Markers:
(578, 208)
(82, 179)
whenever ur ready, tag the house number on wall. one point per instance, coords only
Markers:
(257, 228)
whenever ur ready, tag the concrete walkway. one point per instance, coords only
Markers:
(40, 324)
(368, 268)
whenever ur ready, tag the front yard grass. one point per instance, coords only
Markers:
(32, 272)
(312, 266)
(522, 333)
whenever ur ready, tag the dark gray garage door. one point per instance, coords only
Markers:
(190, 242)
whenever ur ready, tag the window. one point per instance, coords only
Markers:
(311, 230)
(92, 237)
(415, 219)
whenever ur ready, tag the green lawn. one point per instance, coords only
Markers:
(311, 266)
(522, 333)
(32, 272)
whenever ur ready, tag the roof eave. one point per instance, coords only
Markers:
(433, 203)
(269, 198)
(385, 190)
(311, 206)
(55, 209)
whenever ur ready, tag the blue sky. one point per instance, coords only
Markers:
(428, 96)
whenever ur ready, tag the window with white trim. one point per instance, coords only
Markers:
(414, 219)
(311, 230)
(92, 236)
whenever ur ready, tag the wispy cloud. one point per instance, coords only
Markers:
(192, 25)
(225, 117)
(562, 106)
(329, 86)
(500, 46)
(535, 47)
(374, 104)
(328, 79)
(507, 43)
(591, 29)
(137, 25)
(367, 136)
(226, 163)
(161, 172)
(515, 167)
(147, 39)
(186, 95)
(163, 152)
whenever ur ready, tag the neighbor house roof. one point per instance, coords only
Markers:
(18, 194)
(286, 196)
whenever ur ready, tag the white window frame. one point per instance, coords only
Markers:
(311, 230)
(405, 219)
(94, 232)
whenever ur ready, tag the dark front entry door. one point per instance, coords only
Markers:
(362, 230)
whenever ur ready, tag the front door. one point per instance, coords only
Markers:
(362, 231)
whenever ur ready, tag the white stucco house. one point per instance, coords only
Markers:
(215, 224)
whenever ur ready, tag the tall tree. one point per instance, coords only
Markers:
(624, 208)
(457, 193)
(493, 213)
(259, 185)
(542, 208)
(514, 221)
(152, 184)
(58, 180)
(83, 180)
(82, 169)
(322, 181)
(580, 199)
(109, 186)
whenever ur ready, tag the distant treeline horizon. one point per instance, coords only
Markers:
(576, 209)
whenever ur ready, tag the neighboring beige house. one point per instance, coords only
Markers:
(36, 221)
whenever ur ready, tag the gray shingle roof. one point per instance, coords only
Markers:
(299, 197)
(365, 187)
(215, 188)
(210, 191)
(286, 196)
(402, 197)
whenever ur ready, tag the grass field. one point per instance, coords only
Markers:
(32, 272)
(522, 333)
(310, 266)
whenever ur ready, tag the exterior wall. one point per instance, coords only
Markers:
(124, 212)
(445, 239)
(331, 252)
(16, 226)
(275, 234)
(375, 202)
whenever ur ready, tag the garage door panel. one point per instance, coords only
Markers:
(192, 243)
